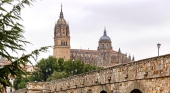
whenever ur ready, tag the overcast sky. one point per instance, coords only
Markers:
(134, 26)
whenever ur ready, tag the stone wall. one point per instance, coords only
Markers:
(150, 75)
(20, 91)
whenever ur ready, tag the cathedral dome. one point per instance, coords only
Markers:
(105, 37)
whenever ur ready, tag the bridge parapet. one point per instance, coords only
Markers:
(145, 69)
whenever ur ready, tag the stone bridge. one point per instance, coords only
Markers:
(150, 75)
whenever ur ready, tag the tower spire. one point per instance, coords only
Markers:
(61, 13)
(133, 59)
(105, 31)
(119, 51)
(61, 7)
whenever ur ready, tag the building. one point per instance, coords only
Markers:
(104, 55)
(4, 62)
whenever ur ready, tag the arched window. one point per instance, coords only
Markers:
(66, 43)
(102, 45)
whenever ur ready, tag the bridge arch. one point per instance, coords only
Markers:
(136, 91)
(103, 91)
(136, 87)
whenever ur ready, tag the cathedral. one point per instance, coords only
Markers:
(104, 56)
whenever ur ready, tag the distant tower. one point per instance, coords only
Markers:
(61, 38)
(104, 47)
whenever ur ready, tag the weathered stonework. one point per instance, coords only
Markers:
(150, 75)
(20, 91)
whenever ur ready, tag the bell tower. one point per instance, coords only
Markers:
(61, 38)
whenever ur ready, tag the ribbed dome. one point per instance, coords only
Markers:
(105, 37)
(61, 21)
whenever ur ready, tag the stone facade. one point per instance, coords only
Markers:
(150, 75)
(104, 56)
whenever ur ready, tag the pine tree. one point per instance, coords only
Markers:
(12, 39)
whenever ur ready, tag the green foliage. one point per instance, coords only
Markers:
(20, 83)
(60, 63)
(56, 75)
(35, 76)
(77, 67)
(71, 68)
(46, 67)
(12, 39)
(16, 82)
(61, 69)
(52, 68)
